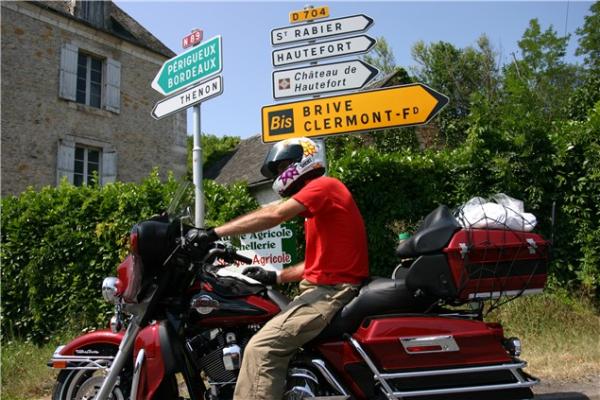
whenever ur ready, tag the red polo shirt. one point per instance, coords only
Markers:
(336, 241)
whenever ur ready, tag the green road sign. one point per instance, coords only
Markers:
(196, 64)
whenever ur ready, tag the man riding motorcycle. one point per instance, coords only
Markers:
(335, 264)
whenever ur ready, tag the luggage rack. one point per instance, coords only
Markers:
(507, 376)
(499, 265)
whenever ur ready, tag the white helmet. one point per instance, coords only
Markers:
(304, 159)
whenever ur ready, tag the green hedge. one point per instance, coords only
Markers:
(59, 243)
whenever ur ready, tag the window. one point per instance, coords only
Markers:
(89, 80)
(87, 166)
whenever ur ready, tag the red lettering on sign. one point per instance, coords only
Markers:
(192, 39)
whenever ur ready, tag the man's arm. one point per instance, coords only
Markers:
(261, 219)
(291, 274)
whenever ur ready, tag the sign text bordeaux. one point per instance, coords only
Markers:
(406, 105)
(196, 64)
(189, 97)
(317, 30)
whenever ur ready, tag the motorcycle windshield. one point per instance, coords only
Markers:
(181, 206)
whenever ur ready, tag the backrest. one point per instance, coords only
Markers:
(433, 235)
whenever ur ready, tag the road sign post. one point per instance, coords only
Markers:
(406, 105)
(199, 63)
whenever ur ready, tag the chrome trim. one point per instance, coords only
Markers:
(302, 373)
(453, 371)
(90, 363)
(387, 390)
(522, 381)
(125, 350)
(467, 389)
(446, 344)
(204, 304)
(110, 290)
(497, 294)
(137, 370)
(320, 364)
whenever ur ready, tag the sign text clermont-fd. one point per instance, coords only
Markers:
(406, 105)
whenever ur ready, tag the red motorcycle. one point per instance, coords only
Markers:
(417, 335)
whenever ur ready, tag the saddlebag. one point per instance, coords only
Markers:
(434, 357)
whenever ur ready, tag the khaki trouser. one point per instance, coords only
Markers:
(266, 357)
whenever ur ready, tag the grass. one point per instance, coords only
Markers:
(560, 335)
(25, 374)
(560, 338)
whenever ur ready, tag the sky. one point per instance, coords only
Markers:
(245, 28)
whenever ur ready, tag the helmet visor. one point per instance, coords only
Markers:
(278, 153)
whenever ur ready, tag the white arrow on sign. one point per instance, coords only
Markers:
(331, 27)
(319, 51)
(192, 96)
(320, 79)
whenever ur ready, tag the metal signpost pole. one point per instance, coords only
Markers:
(197, 167)
(175, 78)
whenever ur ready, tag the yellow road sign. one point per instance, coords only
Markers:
(405, 105)
(308, 14)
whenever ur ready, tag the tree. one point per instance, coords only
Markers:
(213, 148)
(383, 57)
(541, 80)
(589, 41)
(459, 74)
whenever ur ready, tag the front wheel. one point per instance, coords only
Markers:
(80, 384)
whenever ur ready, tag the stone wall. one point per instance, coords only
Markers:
(34, 118)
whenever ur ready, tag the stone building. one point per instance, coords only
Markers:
(243, 164)
(76, 97)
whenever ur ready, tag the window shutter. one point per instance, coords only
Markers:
(65, 160)
(68, 72)
(112, 87)
(109, 167)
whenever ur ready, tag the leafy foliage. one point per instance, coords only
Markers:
(213, 149)
(458, 73)
(58, 244)
(589, 38)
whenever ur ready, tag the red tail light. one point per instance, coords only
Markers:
(133, 241)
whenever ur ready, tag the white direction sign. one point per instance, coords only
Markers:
(190, 97)
(323, 78)
(331, 27)
(319, 51)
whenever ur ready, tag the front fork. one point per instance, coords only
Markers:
(123, 355)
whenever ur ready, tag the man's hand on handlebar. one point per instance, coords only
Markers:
(262, 275)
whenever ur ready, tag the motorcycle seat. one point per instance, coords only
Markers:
(433, 234)
(380, 296)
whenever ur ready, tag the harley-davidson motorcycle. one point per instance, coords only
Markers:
(182, 322)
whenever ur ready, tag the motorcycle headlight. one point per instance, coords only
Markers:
(111, 290)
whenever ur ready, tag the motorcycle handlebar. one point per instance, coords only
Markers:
(227, 254)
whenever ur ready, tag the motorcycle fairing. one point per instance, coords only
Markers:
(160, 358)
